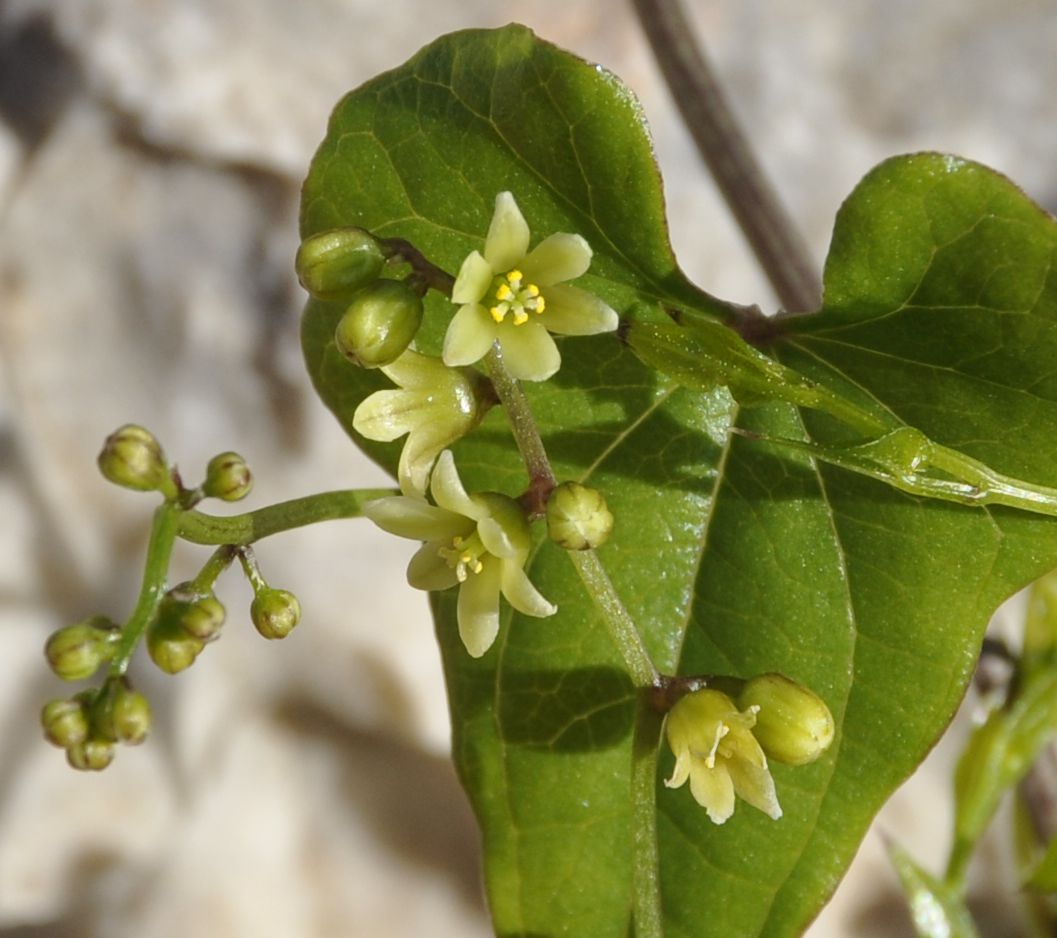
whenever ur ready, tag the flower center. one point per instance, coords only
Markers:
(464, 555)
(514, 296)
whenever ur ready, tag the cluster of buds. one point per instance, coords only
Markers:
(91, 724)
(187, 620)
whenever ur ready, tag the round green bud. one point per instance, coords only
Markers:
(130, 716)
(65, 722)
(133, 458)
(275, 612)
(196, 615)
(77, 651)
(227, 477)
(93, 755)
(577, 517)
(170, 647)
(379, 324)
(793, 724)
(336, 263)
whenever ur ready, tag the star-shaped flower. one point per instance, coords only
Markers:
(518, 297)
(714, 747)
(433, 404)
(480, 542)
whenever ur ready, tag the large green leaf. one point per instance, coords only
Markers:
(732, 556)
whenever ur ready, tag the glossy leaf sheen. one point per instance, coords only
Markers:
(731, 556)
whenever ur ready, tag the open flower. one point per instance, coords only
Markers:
(518, 297)
(480, 542)
(714, 747)
(433, 404)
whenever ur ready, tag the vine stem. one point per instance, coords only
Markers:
(648, 916)
(595, 579)
(723, 145)
(155, 581)
(241, 530)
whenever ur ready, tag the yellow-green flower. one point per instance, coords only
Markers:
(517, 297)
(715, 749)
(480, 542)
(433, 404)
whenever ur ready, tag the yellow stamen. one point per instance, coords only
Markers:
(541, 304)
(532, 290)
(504, 292)
(497, 313)
(520, 316)
(514, 276)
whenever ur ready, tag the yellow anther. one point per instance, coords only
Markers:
(520, 316)
(478, 567)
(532, 290)
(504, 292)
(541, 304)
(514, 277)
(497, 313)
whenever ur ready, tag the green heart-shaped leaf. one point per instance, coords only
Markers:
(731, 556)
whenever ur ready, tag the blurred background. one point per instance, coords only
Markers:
(150, 157)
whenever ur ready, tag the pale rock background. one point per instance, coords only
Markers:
(150, 155)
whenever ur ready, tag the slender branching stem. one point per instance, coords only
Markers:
(155, 582)
(200, 528)
(725, 148)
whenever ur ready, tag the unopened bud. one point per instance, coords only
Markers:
(577, 517)
(196, 615)
(77, 651)
(93, 755)
(275, 612)
(379, 324)
(170, 647)
(65, 722)
(228, 477)
(130, 716)
(133, 458)
(336, 263)
(793, 724)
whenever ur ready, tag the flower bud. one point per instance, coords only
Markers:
(336, 263)
(227, 477)
(93, 755)
(133, 458)
(170, 647)
(275, 612)
(77, 651)
(793, 724)
(577, 517)
(196, 615)
(130, 716)
(65, 722)
(379, 324)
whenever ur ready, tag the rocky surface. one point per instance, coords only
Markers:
(150, 156)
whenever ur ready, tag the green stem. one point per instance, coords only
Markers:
(649, 917)
(200, 528)
(725, 148)
(155, 576)
(649, 920)
(595, 579)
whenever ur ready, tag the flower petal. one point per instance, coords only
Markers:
(521, 594)
(470, 335)
(495, 539)
(448, 491)
(529, 351)
(412, 369)
(429, 571)
(420, 452)
(572, 311)
(386, 415)
(508, 235)
(416, 518)
(754, 784)
(478, 608)
(475, 277)
(681, 772)
(713, 790)
(556, 259)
